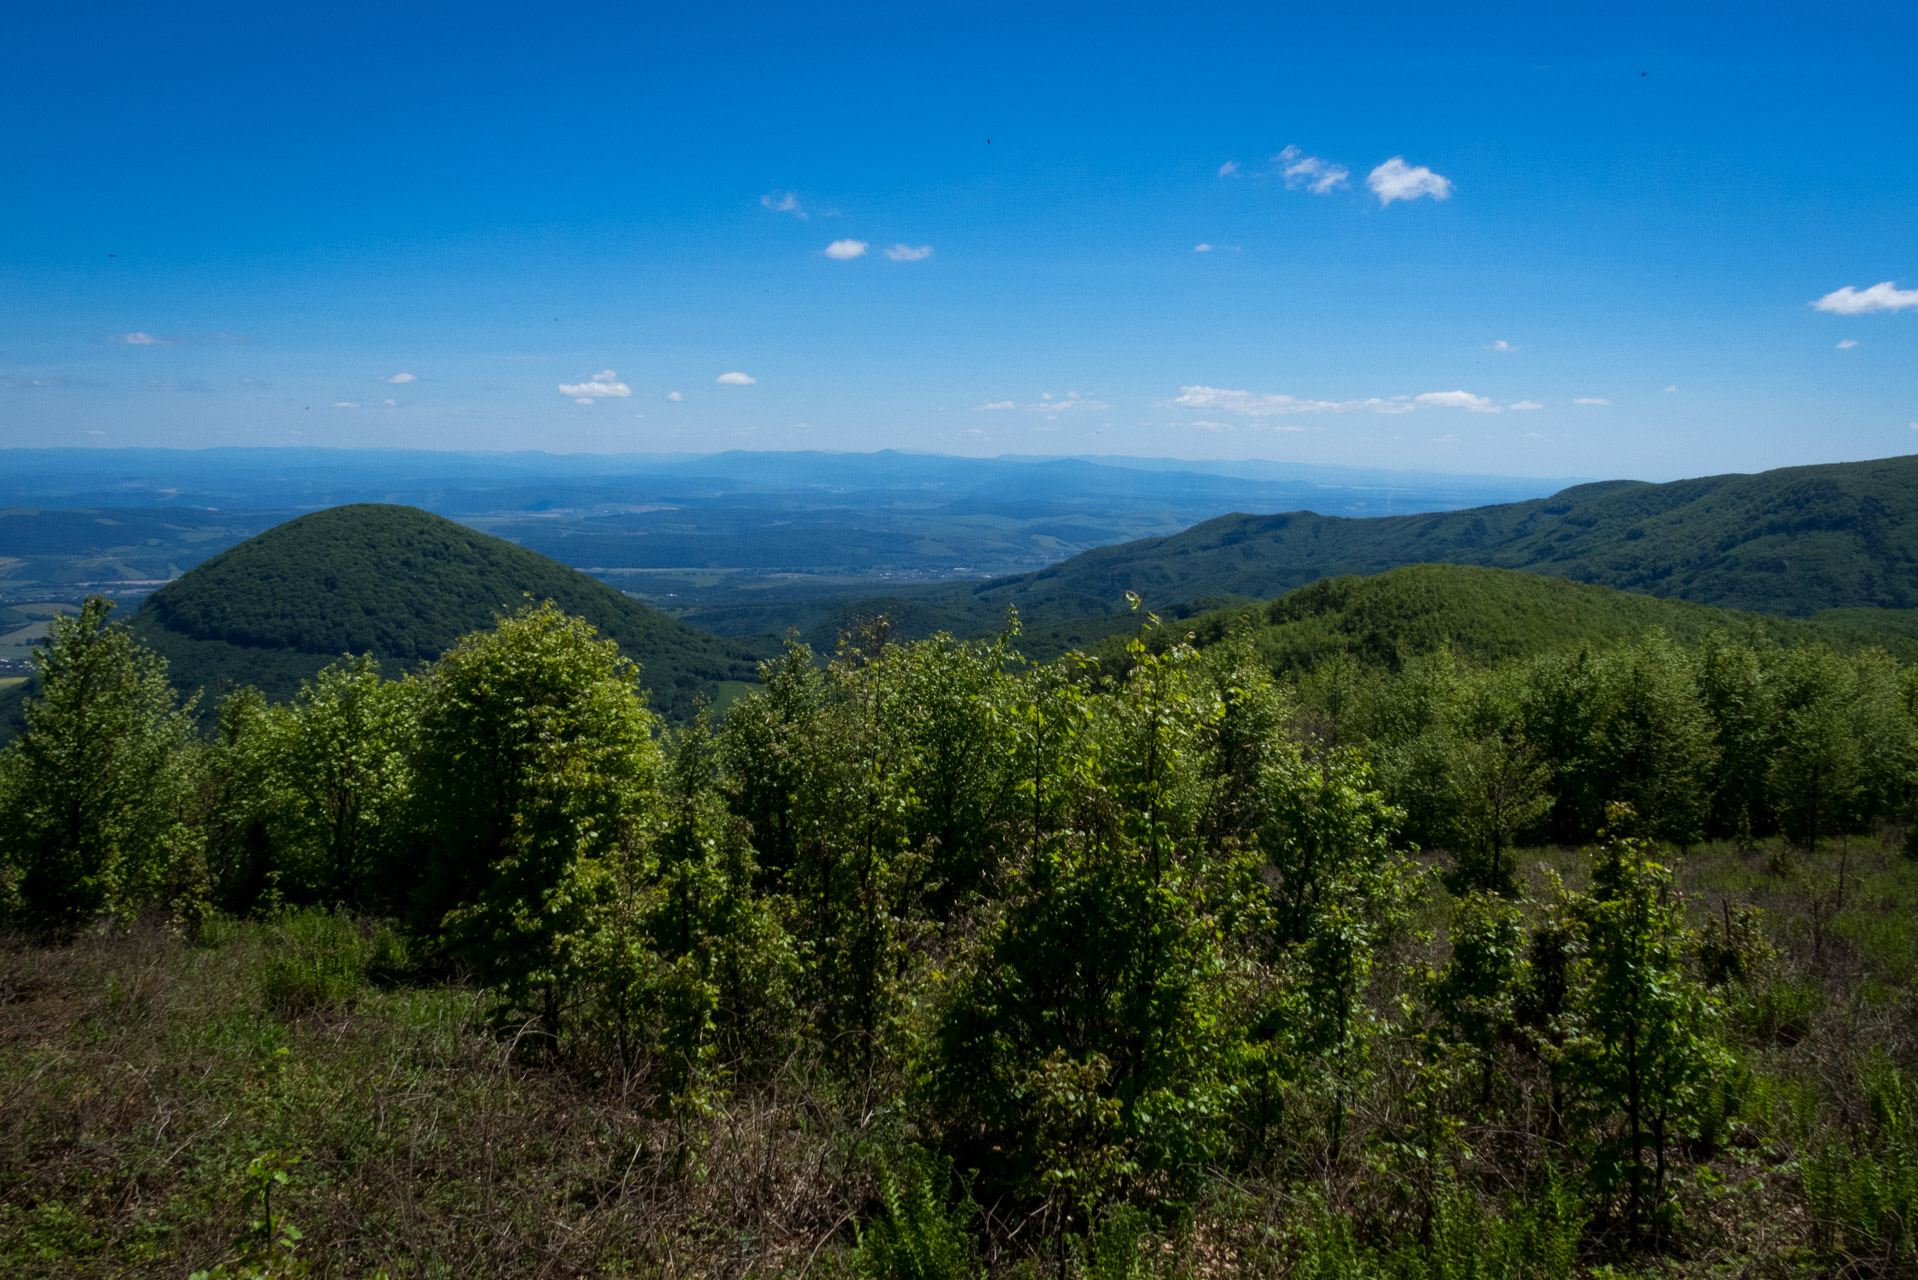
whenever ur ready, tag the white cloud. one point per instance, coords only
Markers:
(1524, 405)
(51, 384)
(1397, 180)
(1847, 344)
(1535, 435)
(1253, 405)
(846, 250)
(1856, 302)
(1320, 177)
(735, 379)
(1448, 438)
(346, 404)
(1457, 400)
(1202, 248)
(674, 396)
(906, 253)
(168, 384)
(1671, 388)
(1203, 425)
(1591, 400)
(1045, 404)
(1501, 345)
(400, 379)
(1229, 168)
(136, 339)
(1263, 405)
(603, 383)
(389, 403)
(785, 202)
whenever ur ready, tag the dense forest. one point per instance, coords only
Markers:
(1797, 541)
(1211, 952)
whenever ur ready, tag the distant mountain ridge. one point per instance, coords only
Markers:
(402, 584)
(1791, 542)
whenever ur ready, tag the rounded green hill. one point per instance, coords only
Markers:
(402, 584)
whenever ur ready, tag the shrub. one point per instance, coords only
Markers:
(1863, 1195)
(917, 1237)
(316, 960)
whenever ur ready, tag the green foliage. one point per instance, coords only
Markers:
(340, 750)
(403, 585)
(1862, 1188)
(916, 1237)
(95, 795)
(318, 960)
(1642, 1048)
(534, 767)
(1791, 542)
(270, 1248)
(1535, 1238)
(1476, 991)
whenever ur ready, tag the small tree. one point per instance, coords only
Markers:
(534, 762)
(1500, 791)
(1477, 991)
(1815, 775)
(1645, 1041)
(94, 794)
(341, 755)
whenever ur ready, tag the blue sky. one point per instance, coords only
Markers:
(449, 227)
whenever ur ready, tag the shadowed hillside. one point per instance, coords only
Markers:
(1791, 542)
(403, 584)
(1484, 615)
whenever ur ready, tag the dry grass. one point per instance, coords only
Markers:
(139, 1076)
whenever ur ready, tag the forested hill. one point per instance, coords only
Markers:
(1485, 616)
(1793, 542)
(403, 584)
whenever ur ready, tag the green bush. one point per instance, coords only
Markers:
(1535, 1239)
(1863, 1195)
(314, 960)
(916, 1237)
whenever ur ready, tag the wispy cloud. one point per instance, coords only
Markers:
(846, 250)
(1595, 400)
(1265, 405)
(735, 379)
(1456, 400)
(1046, 404)
(1671, 388)
(605, 383)
(49, 384)
(346, 404)
(1524, 406)
(391, 404)
(1397, 180)
(1229, 169)
(1202, 248)
(1883, 296)
(1320, 177)
(907, 253)
(1501, 345)
(400, 379)
(1847, 344)
(785, 202)
(168, 384)
(674, 396)
(140, 338)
